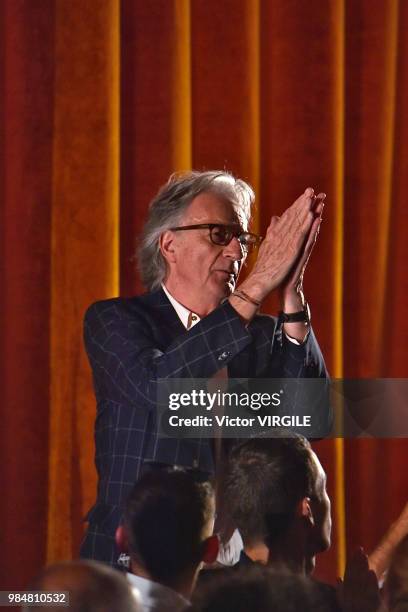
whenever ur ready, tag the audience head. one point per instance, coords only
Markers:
(92, 587)
(258, 589)
(276, 493)
(396, 582)
(168, 526)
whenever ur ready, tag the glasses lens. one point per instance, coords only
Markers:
(220, 234)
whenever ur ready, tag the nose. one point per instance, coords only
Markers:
(234, 250)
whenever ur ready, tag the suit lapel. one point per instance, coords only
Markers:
(165, 317)
(170, 327)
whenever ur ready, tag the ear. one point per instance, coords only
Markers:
(210, 549)
(166, 244)
(304, 510)
(121, 539)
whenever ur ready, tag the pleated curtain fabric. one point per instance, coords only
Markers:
(100, 102)
(84, 243)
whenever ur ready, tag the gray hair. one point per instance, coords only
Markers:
(167, 209)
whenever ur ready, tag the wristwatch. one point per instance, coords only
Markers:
(302, 316)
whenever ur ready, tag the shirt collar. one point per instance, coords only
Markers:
(186, 316)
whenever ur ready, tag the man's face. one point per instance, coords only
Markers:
(321, 510)
(201, 270)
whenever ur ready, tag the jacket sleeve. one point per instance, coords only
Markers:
(298, 369)
(274, 356)
(127, 362)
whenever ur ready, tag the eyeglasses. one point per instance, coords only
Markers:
(223, 234)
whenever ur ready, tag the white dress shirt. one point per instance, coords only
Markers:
(189, 318)
(229, 553)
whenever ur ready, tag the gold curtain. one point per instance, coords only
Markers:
(84, 244)
(101, 101)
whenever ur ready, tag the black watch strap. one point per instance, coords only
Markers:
(296, 317)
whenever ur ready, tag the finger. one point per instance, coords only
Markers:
(299, 215)
(311, 241)
(305, 206)
(304, 201)
(295, 222)
(308, 193)
(313, 234)
(296, 217)
(273, 222)
(318, 210)
(302, 263)
(318, 204)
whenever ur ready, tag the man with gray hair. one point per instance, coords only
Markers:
(194, 322)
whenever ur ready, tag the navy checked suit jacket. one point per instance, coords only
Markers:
(131, 343)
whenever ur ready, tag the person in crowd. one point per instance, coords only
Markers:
(168, 534)
(380, 558)
(276, 493)
(396, 582)
(89, 585)
(195, 321)
(259, 589)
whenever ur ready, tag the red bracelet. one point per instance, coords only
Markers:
(247, 298)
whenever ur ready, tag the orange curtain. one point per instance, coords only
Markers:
(100, 102)
(84, 244)
(26, 106)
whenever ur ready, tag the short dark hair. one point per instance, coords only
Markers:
(266, 478)
(259, 589)
(165, 518)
